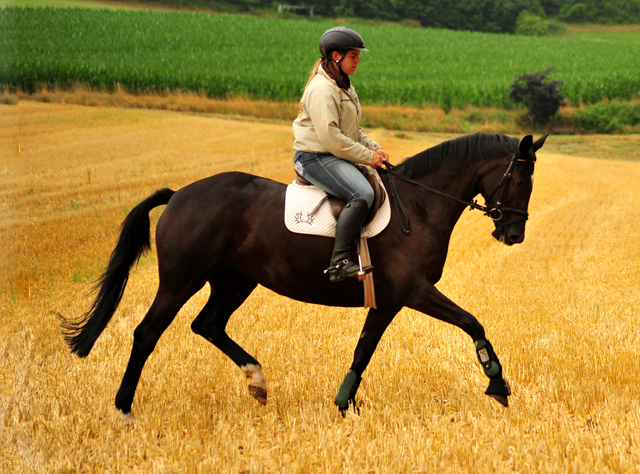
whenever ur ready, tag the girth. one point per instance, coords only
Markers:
(338, 204)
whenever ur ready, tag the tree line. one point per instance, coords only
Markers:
(494, 16)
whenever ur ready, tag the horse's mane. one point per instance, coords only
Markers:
(458, 150)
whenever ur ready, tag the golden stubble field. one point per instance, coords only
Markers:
(561, 310)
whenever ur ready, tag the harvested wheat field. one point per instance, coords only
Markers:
(561, 310)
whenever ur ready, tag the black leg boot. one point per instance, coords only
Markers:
(350, 220)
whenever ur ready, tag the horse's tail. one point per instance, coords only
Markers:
(80, 334)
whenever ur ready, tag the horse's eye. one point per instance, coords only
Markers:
(519, 183)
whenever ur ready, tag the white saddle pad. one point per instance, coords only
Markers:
(307, 211)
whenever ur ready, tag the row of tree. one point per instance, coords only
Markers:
(497, 16)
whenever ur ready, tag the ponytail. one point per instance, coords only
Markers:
(313, 73)
(333, 71)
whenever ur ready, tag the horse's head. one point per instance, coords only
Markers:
(507, 190)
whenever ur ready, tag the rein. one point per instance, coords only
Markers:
(495, 213)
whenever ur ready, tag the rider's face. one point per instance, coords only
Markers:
(349, 62)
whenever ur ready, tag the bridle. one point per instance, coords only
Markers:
(496, 213)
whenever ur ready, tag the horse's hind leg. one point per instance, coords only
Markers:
(166, 305)
(228, 292)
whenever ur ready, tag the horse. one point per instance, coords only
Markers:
(228, 230)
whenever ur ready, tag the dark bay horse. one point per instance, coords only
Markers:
(229, 230)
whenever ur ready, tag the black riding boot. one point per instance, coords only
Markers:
(350, 220)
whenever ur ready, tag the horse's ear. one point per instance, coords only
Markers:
(539, 142)
(525, 145)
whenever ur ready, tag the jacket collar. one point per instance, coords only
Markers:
(350, 91)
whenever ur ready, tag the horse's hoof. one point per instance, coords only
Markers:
(128, 420)
(502, 399)
(351, 404)
(259, 393)
(257, 384)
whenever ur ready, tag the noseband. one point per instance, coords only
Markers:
(496, 213)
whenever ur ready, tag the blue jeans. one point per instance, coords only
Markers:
(336, 176)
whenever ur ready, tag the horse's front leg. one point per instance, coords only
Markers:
(377, 322)
(430, 301)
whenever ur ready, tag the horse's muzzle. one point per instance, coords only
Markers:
(508, 237)
(515, 238)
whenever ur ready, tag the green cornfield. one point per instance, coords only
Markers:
(269, 58)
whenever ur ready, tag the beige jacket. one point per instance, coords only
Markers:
(330, 122)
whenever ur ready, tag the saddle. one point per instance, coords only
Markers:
(338, 204)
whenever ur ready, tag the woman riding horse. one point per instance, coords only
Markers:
(227, 230)
(329, 142)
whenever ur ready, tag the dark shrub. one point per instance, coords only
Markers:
(543, 99)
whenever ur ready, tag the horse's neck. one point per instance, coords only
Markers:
(459, 180)
(463, 182)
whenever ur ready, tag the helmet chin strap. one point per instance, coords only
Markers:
(345, 76)
(339, 62)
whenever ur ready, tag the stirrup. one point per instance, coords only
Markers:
(347, 269)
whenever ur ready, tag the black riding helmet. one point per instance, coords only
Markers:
(340, 38)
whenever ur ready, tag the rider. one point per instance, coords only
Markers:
(329, 142)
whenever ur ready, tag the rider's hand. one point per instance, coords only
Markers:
(379, 157)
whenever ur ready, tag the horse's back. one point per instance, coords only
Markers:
(225, 195)
(207, 217)
(226, 188)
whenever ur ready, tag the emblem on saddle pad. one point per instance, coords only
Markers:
(309, 210)
(302, 218)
